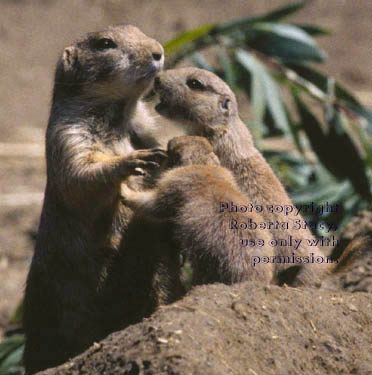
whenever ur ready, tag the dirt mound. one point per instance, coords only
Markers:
(243, 329)
(250, 329)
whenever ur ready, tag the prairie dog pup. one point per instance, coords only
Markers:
(97, 122)
(188, 199)
(202, 104)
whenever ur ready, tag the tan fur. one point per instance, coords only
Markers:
(211, 111)
(187, 200)
(97, 138)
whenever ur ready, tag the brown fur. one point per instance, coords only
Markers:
(202, 104)
(356, 249)
(186, 201)
(96, 125)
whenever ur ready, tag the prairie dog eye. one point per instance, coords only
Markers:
(103, 44)
(195, 84)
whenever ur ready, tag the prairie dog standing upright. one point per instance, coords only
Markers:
(187, 202)
(97, 123)
(202, 104)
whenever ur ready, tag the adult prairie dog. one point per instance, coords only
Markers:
(97, 123)
(187, 200)
(202, 104)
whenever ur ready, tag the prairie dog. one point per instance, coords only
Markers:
(202, 104)
(97, 123)
(188, 200)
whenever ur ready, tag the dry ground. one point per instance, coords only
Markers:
(245, 329)
(33, 32)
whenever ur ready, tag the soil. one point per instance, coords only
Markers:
(32, 34)
(246, 329)
(250, 329)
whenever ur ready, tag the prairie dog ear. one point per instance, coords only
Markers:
(69, 58)
(225, 105)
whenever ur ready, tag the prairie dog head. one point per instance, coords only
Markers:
(187, 150)
(113, 64)
(200, 102)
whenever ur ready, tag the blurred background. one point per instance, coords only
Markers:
(32, 35)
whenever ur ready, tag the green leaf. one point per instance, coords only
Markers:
(270, 88)
(309, 123)
(9, 345)
(367, 144)
(294, 128)
(199, 61)
(282, 12)
(204, 36)
(321, 81)
(286, 31)
(17, 315)
(345, 154)
(290, 167)
(296, 179)
(189, 36)
(313, 30)
(257, 127)
(13, 362)
(335, 148)
(246, 22)
(284, 156)
(271, 128)
(237, 25)
(228, 68)
(312, 128)
(365, 113)
(258, 99)
(285, 41)
(326, 191)
(338, 124)
(292, 178)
